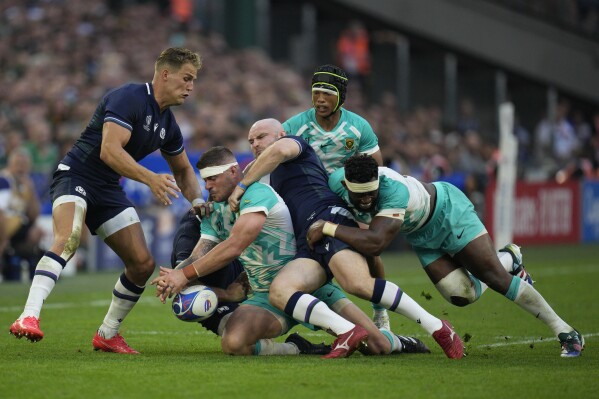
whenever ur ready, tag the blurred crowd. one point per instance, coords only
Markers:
(58, 57)
(579, 16)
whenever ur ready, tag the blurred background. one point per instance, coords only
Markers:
(429, 76)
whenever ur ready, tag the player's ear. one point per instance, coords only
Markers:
(282, 133)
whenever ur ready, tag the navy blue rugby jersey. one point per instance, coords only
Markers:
(303, 183)
(134, 107)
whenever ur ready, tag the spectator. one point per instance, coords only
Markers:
(353, 52)
(19, 209)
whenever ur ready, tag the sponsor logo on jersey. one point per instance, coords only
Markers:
(349, 144)
(155, 127)
(81, 190)
(162, 133)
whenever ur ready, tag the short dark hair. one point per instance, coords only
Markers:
(176, 57)
(215, 156)
(361, 168)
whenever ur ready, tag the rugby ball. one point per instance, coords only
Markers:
(195, 303)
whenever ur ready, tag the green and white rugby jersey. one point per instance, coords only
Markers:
(352, 135)
(401, 197)
(275, 245)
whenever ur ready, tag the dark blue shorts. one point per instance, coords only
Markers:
(104, 200)
(186, 238)
(328, 246)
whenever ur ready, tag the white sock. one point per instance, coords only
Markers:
(124, 297)
(408, 307)
(47, 273)
(311, 310)
(396, 345)
(529, 299)
(267, 347)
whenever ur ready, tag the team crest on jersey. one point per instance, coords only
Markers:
(155, 126)
(162, 133)
(349, 144)
(148, 122)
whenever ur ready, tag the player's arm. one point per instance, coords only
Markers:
(280, 151)
(370, 242)
(244, 232)
(378, 157)
(185, 176)
(113, 154)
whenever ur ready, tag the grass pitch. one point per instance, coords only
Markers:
(509, 353)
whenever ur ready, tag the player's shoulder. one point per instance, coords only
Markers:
(298, 120)
(337, 175)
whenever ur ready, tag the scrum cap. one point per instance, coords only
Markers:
(332, 79)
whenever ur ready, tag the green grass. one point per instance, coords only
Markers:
(509, 353)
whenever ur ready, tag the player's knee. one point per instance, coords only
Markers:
(234, 344)
(142, 265)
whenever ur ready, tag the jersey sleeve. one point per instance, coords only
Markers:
(369, 143)
(393, 199)
(123, 108)
(258, 198)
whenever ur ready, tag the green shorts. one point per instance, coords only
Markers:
(329, 294)
(453, 225)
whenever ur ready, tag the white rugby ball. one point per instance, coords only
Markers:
(195, 303)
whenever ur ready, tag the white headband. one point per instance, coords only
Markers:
(328, 91)
(362, 187)
(215, 170)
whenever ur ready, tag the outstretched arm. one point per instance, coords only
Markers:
(370, 242)
(280, 151)
(185, 176)
(244, 232)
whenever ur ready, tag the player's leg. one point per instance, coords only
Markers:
(481, 260)
(379, 313)
(68, 215)
(351, 271)
(377, 270)
(380, 341)
(289, 292)
(124, 235)
(249, 331)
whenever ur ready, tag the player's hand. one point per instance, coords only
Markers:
(169, 283)
(203, 210)
(164, 187)
(235, 198)
(240, 288)
(315, 233)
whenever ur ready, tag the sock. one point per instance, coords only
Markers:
(266, 347)
(530, 300)
(393, 298)
(479, 286)
(308, 309)
(46, 275)
(124, 296)
(396, 345)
